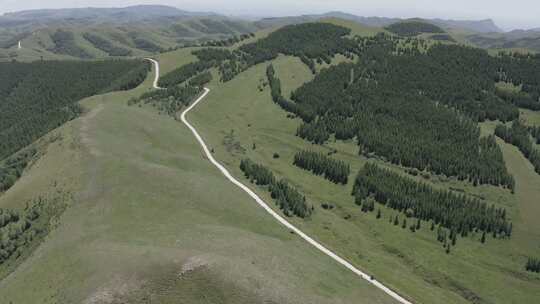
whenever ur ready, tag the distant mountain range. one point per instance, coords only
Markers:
(140, 30)
(130, 14)
(146, 13)
(481, 26)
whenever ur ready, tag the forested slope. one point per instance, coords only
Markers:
(423, 111)
(38, 97)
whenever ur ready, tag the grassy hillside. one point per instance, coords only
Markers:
(151, 219)
(239, 120)
(517, 41)
(133, 39)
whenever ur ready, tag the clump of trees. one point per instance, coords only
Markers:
(201, 80)
(228, 41)
(20, 229)
(169, 100)
(533, 265)
(257, 174)
(290, 200)
(277, 97)
(336, 171)
(37, 97)
(11, 169)
(519, 136)
(455, 212)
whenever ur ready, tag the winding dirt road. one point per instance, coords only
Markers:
(266, 207)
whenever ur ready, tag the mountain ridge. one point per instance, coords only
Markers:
(147, 12)
(480, 26)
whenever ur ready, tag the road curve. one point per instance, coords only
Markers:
(274, 214)
(156, 78)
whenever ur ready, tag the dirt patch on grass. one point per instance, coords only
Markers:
(115, 291)
(85, 127)
(193, 281)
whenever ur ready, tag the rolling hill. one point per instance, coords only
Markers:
(413, 159)
(131, 31)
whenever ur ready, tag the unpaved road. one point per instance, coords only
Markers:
(156, 78)
(266, 207)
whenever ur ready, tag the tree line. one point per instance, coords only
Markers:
(40, 96)
(456, 212)
(12, 168)
(289, 200)
(19, 229)
(519, 99)
(201, 80)
(183, 73)
(336, 171)
(227, 42)
(519, 136)
(277, 97)
(169, 100)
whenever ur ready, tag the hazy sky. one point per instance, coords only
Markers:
(508, 14)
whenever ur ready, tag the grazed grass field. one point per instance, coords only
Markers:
(414, 264)
(154, 222)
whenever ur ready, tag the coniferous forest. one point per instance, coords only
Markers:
(333, 170)
(417, 108)
(169, 100)
(287, 197)
(520, 136)
(12, 167)
(40, 96)
(456, 212)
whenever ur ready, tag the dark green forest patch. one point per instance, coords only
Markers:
(38, 97)
(413, 28)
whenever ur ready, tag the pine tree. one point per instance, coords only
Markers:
(379, 213)
(404, 225)
(483, 240)
(396, 221)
